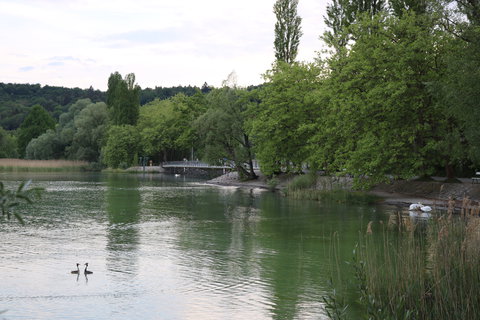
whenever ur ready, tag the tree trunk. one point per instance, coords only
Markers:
(242, 172)
(450, 171)
(252, 174)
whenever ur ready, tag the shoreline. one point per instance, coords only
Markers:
(400, 193)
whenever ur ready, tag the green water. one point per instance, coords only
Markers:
(165, 247)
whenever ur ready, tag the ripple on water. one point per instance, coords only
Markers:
(168, 250)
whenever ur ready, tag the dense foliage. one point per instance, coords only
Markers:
(8, 145)
(123, 99)
(279, 123)
(222, 128)
(79, 134)
(395, 95)
(121, 147)
(37, 122)
(17, 99)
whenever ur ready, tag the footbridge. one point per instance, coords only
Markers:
(195, 168)
(193, 164)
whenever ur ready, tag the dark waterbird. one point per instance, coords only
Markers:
(76, 271)
(87, 271)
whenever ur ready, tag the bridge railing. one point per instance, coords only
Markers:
(192, 164)
(199, 164)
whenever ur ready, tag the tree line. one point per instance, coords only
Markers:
(16, 100)
(394, 95)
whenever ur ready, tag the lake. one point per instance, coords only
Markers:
(166, 247)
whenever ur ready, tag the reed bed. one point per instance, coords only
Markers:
(21, 165)
(423, 269)
(417, 269)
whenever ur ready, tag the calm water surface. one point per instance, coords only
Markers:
(162, 247)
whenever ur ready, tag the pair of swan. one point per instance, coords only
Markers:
(419, 206)
(84, 271)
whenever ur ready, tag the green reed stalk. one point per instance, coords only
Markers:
(414, 273)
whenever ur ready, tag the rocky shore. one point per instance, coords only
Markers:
(400, 193)
(231, 179)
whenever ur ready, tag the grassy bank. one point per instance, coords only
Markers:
(324, 189)
(21, 165)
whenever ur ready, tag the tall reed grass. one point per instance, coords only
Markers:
(426, 270)
(21, 165)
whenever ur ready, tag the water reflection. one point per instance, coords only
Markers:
(285, 270)
(123, 206)
(162, 247)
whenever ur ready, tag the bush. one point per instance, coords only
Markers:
(302, 182)
(272, 183)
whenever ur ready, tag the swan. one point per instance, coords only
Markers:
(415, 206)
(76, 271)
(426, 208)
(87, 271)
(419, 206)
(425, 215)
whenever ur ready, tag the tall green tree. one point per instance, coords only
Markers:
(122, 146)
(167, 127)
(471, 8)
(278, 124)
(66, 124)
(44, 147)
(90, 129)
(8, 145)
(458, 90)
(37, 122)
(189, 109)
(399, 7)
(381, 118)
(123, 99)
(288, 30)
(371, 6)
(339, 16)
(78, 136)
(222, 128)
(343, 13)
(159, 130)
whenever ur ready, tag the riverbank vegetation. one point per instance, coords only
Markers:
(416, 269)
(21, 165)
(393, 95)
(326, 189)
(10, 199)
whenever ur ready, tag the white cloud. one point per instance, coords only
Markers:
(80, 42)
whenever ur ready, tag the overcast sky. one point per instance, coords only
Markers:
(78, 43)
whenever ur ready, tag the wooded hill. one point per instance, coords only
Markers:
(17, 99)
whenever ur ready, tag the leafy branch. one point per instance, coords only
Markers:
(10, 199)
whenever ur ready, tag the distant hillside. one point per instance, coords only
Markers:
(17, 99)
